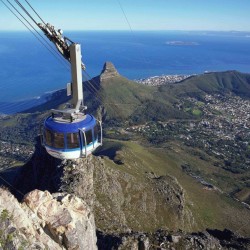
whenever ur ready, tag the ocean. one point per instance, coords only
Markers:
(28, 70)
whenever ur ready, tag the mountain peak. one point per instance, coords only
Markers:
(108, 71)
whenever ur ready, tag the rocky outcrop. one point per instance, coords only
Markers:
(41, 172)
(44, 172)
(130, 199)
(20, 226)
(162, 239)
(45, 221)
(77, 178)
(109, 71)
(173, 194)
(60, 218)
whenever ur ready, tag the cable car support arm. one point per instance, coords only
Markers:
(72, 53)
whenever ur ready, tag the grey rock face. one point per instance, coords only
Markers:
(109, 71)
(62, 221)
(162, 239)
(28, 230)
(77, 178)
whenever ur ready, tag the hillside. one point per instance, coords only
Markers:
(140, 103)
(152, 183)
(215, 82)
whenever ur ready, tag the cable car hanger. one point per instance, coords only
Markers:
(61, 42)
(70, 133)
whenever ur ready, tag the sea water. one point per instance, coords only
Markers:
(29, 68)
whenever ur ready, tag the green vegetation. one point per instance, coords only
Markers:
(210, 208)
(216, 82)
(135, 103)
(243, 195)
(200, 104)
(196, 112)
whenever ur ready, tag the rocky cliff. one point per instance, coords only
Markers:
(46, 221)
(59, 217)
(163, 239)
(109, 71)
(144, 201)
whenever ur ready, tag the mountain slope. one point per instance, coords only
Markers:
(147, 188)
(124, 100)
(215, 82)
(127, 100)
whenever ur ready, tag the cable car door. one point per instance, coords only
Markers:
(83, 142)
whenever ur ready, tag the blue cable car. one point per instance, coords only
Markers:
(71, 140)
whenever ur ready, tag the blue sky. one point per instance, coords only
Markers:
(141, 14)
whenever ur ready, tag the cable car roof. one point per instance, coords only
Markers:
(85, 124)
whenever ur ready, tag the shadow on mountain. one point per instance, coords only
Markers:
(41, 172)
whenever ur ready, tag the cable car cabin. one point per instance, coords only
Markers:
(66, 139)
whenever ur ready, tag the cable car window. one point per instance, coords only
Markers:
(88, 135)
(48, 137)
(58, 140)
(96, 131)
(73, 140)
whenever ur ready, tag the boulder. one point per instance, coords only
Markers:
(67, 217)
(46, 221)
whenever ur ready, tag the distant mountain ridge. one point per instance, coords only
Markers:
(125, 99)
(140, 103)
(214, 82)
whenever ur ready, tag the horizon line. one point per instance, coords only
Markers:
(153, 30)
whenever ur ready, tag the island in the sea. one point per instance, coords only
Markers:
(181, 43)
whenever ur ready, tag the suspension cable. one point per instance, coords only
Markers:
(95, 86)
(27, 13)
(36, 13)
(94, 91)
(21, 20)
(144, 59)
(123, 11)
(98, 95)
